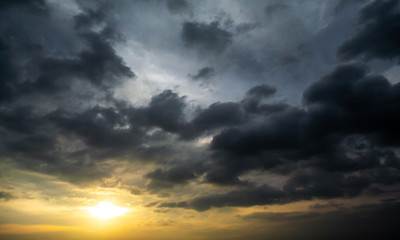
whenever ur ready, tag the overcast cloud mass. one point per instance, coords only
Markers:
(260, 116)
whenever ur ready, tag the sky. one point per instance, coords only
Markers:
(228, 119)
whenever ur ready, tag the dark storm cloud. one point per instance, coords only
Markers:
(204, 74)
(177, 6)
(367, 222)
(102, 128)
(357, 102)
(21, 120)
(27, 136)
(346, 127)
(378, 36)
(342, 4)
(341, 141)
(99, 65)
(39, 147)
(96, 134)
(166, 111)
(37, 67)
(8, 71)
(34, 142)
(237, 198)
(207, 37)
(102, 132)
(121, 130)
(31, 66)
(261, 91)
(43, 154)
(283, 216)
(253, 101)
(281, 132)
(222, 115)
(308, 185)
(347, 112)
(342, 104)
(88, 19)
(326, 205)
(218, 115)
(304, 185)
(180, 174)
(38, 6)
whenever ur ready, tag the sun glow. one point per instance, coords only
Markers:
(106, 210)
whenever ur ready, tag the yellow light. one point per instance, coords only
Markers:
(105, 210)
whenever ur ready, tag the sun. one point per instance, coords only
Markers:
(106, 210)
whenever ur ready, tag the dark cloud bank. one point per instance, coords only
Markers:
(341, 142)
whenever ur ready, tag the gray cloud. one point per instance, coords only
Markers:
(378, 36)
(207, 37)
(68, 109)
(180, 174)
(177, 6)
(6, 196)
(204, 74)
(37, 6)
(242, 197)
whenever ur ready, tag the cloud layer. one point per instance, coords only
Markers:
(209, 102)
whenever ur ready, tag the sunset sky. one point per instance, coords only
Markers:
(199, 120)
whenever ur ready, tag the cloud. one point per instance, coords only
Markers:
(237, 198)
(261, 91)
(9, 72)
(177, 6)
(166, 111)
(21, 119)
(38, 65)
(206, 37)
(99, 64)
(218, 115)
(308, 185)
(343, 4)
(275, 9)
(68, 110)
(366, 221)
(37, 6)
(204, 74)
(337, 108)
(326, 205)
(304, 185)
(6, 196)
(378, 36)
(48, 82)
(180, 174)
(282, 216)
(101, 128)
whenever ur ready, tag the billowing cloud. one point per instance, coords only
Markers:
(238, 198)
(207, 37)
(96, 95)
(203, 74)
(378, 36)
(177, 6)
